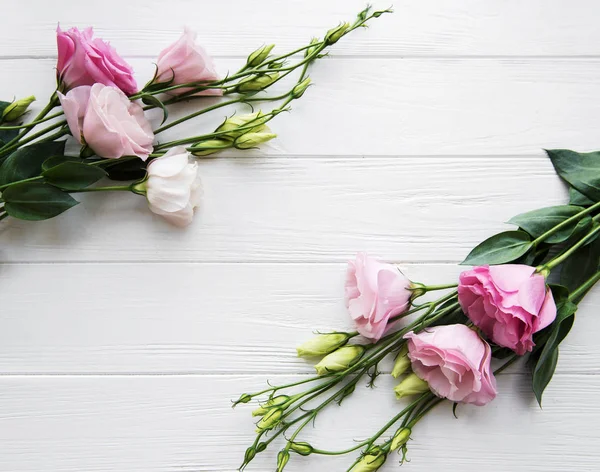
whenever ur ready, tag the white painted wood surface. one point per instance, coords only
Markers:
(122, 339)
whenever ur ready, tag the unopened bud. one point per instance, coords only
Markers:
(254, 122)
(411, 385)
(322, 344)
(334, 34)
(313, 47)
(244, 398)
(250, 140)
(210, 146)
(282, 459)
(402, 363)
(258, 56)
(370, 462)
(261, 447)
(302, 448)
(400, 438)
(270, 420)
(250, 454)
(17, 108)
(300, 88)
(273, 402)
(340, 359)
(257, 83)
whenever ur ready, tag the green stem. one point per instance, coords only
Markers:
(431, 288)
(580, 291)
(565, 223)
(115, 188)
(16, 141)
(551, 264)
(31, 179)
(34, 123)
(9, 149)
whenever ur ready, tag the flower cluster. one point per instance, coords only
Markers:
(104, 111)
(501, 309)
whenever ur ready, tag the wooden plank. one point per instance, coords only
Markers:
(426, 28)
(408, 107)
(195, 318)
(319, 210)
(147, 424)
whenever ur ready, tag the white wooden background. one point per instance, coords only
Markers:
(122, 339)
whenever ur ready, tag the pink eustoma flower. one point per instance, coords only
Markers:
(83, 60)
(455, 362)
(375, 292)
(509, 303)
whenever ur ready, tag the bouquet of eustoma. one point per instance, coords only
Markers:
(518, 300)
(105, 113)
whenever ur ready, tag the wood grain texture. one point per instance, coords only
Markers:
(123, 339)
(418, 28)
(194, 318)
(304, 209)
(164, 423)
(405, 107)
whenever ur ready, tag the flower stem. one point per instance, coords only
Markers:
(31, 179)
(114, 188)
(577, 294)
(565, 223)
(34, 123)
(551, 264)
(8, 150)
(16, 141)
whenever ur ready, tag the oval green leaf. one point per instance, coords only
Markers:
(537, 222)
(27, 161)
(73, 175)
(580, 170)
(35, 201)
(500, 249)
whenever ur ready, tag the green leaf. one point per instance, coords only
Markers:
(127, 170)
(578, 198)
(500, 249)
(73, 175)
(543, 375)
(27, 161)
(153, 100)
(580, 170)
(548, 340)
(3, 106)
(581, 265)
(56, 160)
(537, 222)
(36, 201)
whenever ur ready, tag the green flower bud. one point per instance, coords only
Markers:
(261, 446)
(250, 454)
(277, 401)
(244, 398)
(340, 359)
(17, 108)
(300, 88)
(400, 438)
(322, 344)
(370, 462)
(258, 56)
(282, 459)
(311, 49)
(411, 385)
(231, 125)
(250, 140)
(256, 83)
(270, 420)
(334, 34)
(302, 448)
(402, 363)
(211, 146)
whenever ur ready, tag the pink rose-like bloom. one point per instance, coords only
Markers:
(184, 61)
(455, 362)
(374, 293)
(107, 121)
(83, 60)
(509, 303)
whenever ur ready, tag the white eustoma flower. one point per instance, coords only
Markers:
(173, 188)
